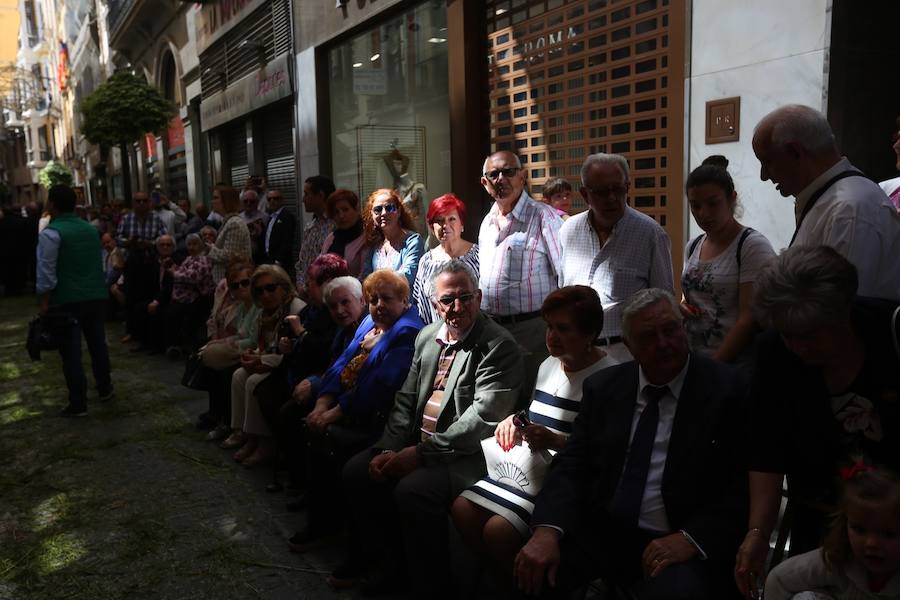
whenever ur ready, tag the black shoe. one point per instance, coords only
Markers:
(72, 411)
(306, 540)
(297, 504)
(348, 573)
(106, 395)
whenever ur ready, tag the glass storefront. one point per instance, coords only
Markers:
(390, 124)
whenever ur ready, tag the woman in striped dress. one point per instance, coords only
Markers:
(492, 516)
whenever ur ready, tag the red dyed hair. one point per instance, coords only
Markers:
(445, 205)
(327, 267)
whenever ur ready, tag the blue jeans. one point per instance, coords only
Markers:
(68, 322)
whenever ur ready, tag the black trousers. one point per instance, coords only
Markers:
(219, 390)
(68, 323)
(285, 419)
(417, 507)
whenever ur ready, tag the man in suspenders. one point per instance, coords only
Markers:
(836, 204)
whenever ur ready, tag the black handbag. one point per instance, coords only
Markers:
(194, 374)
(39, 337)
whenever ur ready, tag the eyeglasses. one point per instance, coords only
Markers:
(449, 300)
(617, 191)
(507, 172)
(268, 288)
(388, 208)
(238, 284)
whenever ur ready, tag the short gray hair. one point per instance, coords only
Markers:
(601, 158)
(192, 237)
(802, 125)
(247, 194)
(345, 282)
(454, 266)
(493, 154)
(640, 300)
(805, 288)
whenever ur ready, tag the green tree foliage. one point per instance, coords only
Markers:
(54, 173)
(122, 109)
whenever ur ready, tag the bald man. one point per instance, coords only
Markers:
(836, 204)
(519, 251)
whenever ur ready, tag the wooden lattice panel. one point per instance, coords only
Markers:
(572, 77)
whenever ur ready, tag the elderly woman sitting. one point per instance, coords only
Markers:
(192, 288)
(273, 291)
(824, 395)
(357, 393)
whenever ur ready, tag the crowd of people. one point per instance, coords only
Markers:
(540, 387)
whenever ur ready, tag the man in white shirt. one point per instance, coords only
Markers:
(613, 248)
(837, 205)
(519, 252)
(649, 492)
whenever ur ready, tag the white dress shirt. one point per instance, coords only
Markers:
(653, 515)
(856, 218)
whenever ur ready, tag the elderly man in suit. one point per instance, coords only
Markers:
(465, 377)
(649, 492)
(278, 237)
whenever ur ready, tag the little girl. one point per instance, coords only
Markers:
(860, 559)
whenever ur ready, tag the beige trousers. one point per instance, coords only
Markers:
(245, 413)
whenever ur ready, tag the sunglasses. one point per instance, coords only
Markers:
(507, 172)
(238, 284)
(388, 208)
(449, 300)
(616, 191)
(268, 288)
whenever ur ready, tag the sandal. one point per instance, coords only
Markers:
(235, 440)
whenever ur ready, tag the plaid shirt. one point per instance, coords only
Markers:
(149, 229)
(313, 239)
(519, 265)
(637, 255)
(233, 240)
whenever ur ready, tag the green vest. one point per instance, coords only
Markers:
(79, 269)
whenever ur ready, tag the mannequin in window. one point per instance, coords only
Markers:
(412, 192)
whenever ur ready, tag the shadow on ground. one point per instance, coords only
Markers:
(130, 502)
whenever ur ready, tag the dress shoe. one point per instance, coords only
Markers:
(73, 411)
(235, 440)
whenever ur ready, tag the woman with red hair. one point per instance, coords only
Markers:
(391, 235)
(445, 218)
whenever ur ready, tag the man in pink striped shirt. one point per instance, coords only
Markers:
(519, 251)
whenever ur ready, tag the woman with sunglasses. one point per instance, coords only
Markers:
(356, 394)
(391, 236)
(446, 218)
(232, 329)
(490, 518)
(273, 291)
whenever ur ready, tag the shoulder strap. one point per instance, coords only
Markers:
(818, 194)
(694, 244)
(744, 235)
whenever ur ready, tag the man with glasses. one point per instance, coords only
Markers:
(465, 377)
(612, 247)
(519, 252)
(278, 242)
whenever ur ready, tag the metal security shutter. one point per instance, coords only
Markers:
(573, 77)
(236, 147)
(278, 154)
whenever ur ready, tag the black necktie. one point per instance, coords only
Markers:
(626, 503)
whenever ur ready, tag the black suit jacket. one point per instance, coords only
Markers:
(281, 243)
(704, 482)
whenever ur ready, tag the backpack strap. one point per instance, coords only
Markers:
(694, 244)
(744, 235)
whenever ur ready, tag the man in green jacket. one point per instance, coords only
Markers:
(72, 295)
(466, 376)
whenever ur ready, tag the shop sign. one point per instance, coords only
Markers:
(215, 18)
(269, 84)
(175, 133)
(369, 82)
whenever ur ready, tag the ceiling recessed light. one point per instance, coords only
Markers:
(357, 65)
(375, 57)
(437, 40)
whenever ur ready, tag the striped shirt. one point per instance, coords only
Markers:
(311, 247)
(423, 289)
(233, 241)
(636, 255)
(432, 409)
(520, 264)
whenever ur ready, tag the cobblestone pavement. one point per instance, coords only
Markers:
(130, 502)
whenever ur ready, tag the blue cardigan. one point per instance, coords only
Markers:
(384, 371)
(407, 263)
